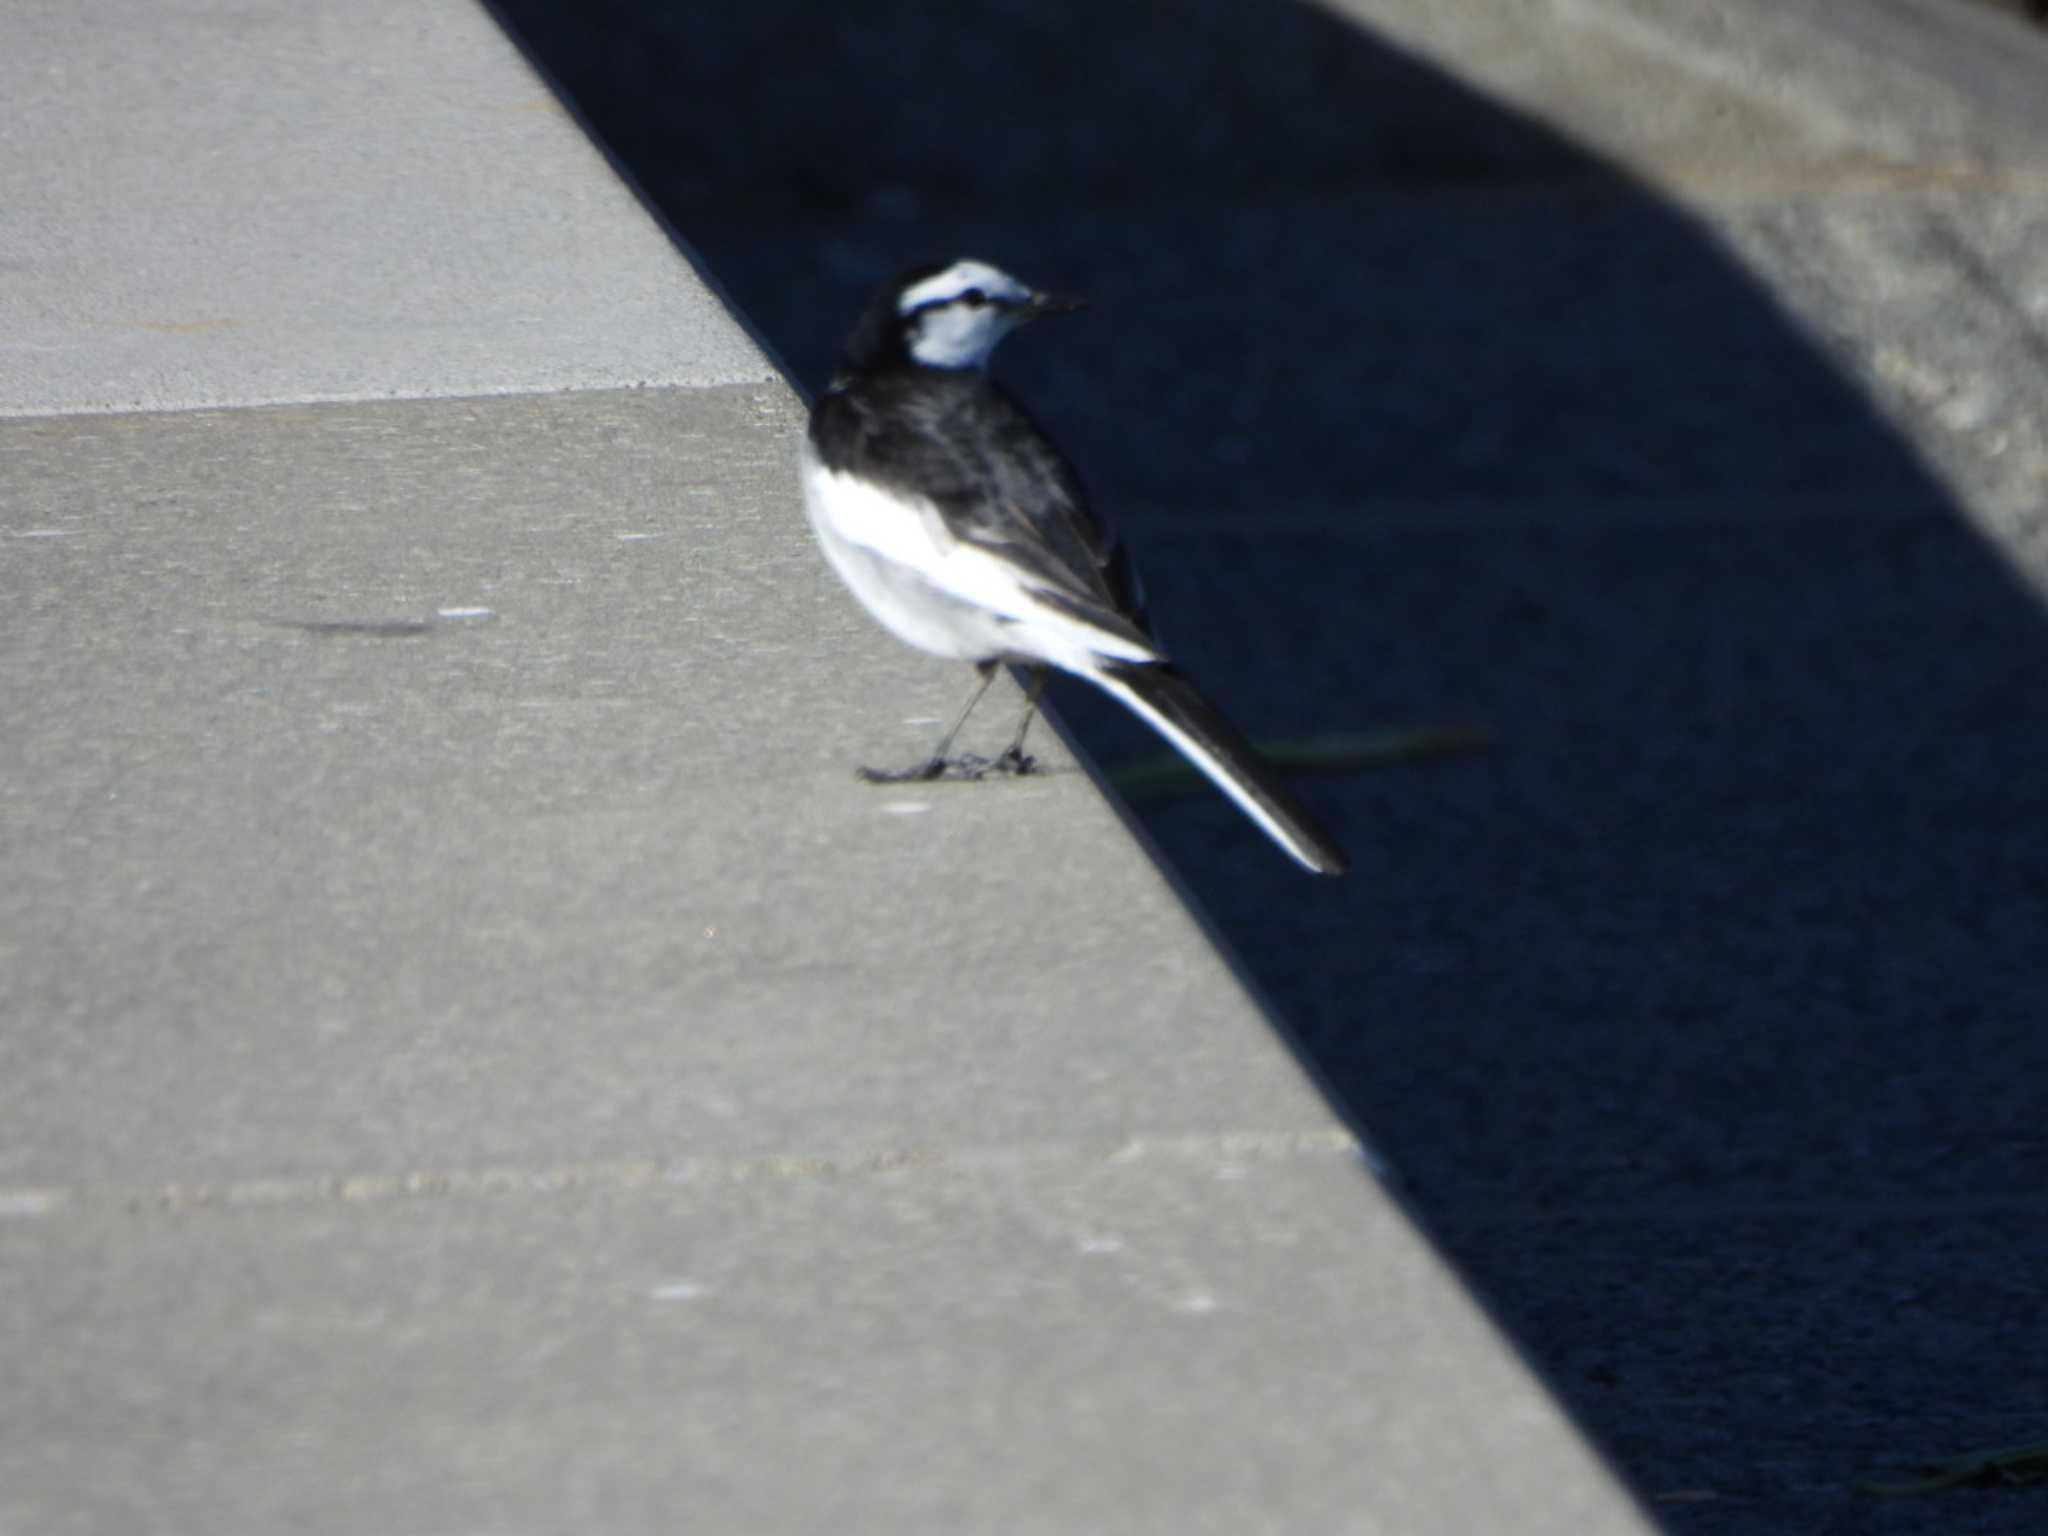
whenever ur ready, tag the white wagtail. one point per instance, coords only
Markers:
(962, 529)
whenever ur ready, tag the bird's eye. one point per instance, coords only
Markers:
(974, 298)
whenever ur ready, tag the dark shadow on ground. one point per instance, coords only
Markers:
(1700, 1014)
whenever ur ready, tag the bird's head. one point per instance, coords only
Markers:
(951, 315)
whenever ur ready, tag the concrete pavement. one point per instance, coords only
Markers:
(380, 205)
(471, 1056)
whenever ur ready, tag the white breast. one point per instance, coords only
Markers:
(889, 553)
(937, 592)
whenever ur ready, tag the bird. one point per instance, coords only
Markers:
(960, 527)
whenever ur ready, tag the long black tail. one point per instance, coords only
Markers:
(1168, 703)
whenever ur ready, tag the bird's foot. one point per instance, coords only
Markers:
(1015, 762)
(966, 766)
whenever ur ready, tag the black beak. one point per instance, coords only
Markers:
(1052, 304)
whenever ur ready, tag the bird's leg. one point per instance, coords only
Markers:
(936, 765)
(1016, 759)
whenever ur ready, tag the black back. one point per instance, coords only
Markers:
(954, 439)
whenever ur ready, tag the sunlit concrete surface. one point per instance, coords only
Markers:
(212, 204)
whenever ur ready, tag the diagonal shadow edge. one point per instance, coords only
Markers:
(792, 270)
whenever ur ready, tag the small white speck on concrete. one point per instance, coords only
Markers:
(677, 1290)
(634, 538)
(1100, 1243)
(465, 613)
(716, 1104)
(1969, 409)
(906, 807)
(21, 1203)
(1196, 1303)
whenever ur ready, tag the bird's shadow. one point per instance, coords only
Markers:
(1699, 1011)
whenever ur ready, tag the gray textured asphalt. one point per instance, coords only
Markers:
(1663, 386)
(472, 1058)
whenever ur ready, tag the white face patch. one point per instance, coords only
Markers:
(955, 336)
(961, 313)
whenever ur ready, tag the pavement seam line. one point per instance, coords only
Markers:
(1217, 1149)
(769, 379)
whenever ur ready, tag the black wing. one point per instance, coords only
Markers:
(996, 479)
